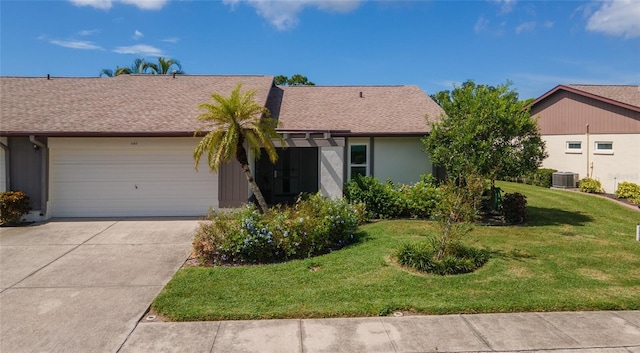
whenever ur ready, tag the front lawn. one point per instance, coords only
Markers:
(577, 252)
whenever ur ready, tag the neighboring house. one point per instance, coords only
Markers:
(123, 146)
(592, 130)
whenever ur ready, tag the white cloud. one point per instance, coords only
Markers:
(526, 27)
(284, 14)
(107, 4)
(140, 49)
(76, 44)
(532, 25)
(506, 6)
(137, 35)
(88, 32)
(481, 25)
(171, 40)
(617, 18)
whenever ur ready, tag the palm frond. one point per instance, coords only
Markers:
(106, 72)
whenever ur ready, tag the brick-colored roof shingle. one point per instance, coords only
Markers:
(359, 109)
(125, 104)
(162, 105)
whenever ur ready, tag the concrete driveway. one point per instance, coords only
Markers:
(82, 285)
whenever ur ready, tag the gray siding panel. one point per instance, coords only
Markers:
(26, 169)
(232, 185)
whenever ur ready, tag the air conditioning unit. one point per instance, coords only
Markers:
(565, 180)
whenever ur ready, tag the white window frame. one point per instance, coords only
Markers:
(569, 149)
(598, 150)
(368, 158)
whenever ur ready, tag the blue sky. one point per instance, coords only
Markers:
(535, 44)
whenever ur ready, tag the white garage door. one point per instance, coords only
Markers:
(128, 177)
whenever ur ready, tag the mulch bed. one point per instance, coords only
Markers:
(614, 197)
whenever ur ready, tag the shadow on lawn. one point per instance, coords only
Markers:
(539, 216)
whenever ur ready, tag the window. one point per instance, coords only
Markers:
(604, 147)
(358, 160)
(574, 147)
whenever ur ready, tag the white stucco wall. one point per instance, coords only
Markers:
(3, 171)
(331, 171)
(623, 164)
(400, 158)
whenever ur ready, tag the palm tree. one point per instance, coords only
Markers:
(137, 67)
(162, 67)
(232, 121)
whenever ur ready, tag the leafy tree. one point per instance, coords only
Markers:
(232, 121)
(280, 80)
(295, 80)
(162, 67)
(487, 131)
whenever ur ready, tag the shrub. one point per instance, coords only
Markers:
(313, 226)
(13, 204)
(458, 259)
(421, 198)
(629, 191)
(590, 185)
(514, 207)
(542, 177)
(386, 200)
(382, 199)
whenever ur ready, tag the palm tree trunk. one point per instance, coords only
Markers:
(241, 156)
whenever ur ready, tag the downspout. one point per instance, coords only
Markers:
(588, 176)
(7, 165)
(43, 174)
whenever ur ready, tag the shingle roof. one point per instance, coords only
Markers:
(126, 104)
(625, 94)
(162, 105)
(359, 109)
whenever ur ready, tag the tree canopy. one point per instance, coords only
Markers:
(232, 121)
(486, 131)
(140, 66)
(295, 80)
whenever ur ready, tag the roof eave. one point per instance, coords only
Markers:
(584, 94)
(98, 133)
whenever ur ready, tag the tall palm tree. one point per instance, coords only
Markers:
(137, 67)
(232, 121)
(163, 67)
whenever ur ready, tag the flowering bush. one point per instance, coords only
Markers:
(590, 185)
(13, 204)
(313, 226)
(629, 191)
(386, 200)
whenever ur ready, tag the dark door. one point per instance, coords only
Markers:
(295, 172)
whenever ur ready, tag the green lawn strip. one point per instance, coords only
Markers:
(577, 252)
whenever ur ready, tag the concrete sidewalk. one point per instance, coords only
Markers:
(593, 332)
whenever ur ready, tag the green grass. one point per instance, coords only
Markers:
(577, 252)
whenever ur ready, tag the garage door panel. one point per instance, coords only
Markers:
(120, 172)
(96, 179)
(131, 157)
(132, 190)
(114, 208)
